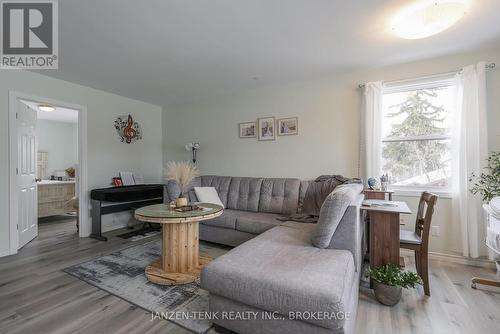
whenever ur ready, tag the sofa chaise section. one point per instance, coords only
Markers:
(280, 272)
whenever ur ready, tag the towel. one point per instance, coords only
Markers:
(495, 207)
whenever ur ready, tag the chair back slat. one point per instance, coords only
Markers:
(424, 216)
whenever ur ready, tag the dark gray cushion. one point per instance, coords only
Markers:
(245, 221)
(332, 211)
(279, 196)
(244, 193)
(224, 236)
(281, 271)
(256, 222)
(226, 220)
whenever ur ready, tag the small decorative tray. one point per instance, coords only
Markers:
(188, 208)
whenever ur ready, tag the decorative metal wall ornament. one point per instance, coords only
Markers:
(193, 147)
(128, 130)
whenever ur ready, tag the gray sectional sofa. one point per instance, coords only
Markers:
(251, 205)
(276, 276)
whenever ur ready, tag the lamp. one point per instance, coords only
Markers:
(193, 147)
(46, 107)
(428, 17)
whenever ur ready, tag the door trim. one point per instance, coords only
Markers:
(82, 165)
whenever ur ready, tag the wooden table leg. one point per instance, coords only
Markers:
(384, 238)
(180, 262)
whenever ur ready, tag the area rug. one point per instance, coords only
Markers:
(139, 234)
(122, 274)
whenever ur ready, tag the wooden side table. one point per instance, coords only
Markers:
(384, 232)
(374, 194)
(378, 194)
(180, 262)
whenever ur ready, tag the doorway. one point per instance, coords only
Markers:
(48, 166)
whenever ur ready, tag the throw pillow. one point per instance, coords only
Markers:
(208, 195)
(331, 213)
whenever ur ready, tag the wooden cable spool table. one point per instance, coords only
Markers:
(180, 262)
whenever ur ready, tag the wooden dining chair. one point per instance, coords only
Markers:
(418, 241)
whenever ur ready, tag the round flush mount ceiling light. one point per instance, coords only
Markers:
(428, 17)
(46, 107)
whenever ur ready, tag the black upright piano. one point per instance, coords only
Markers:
(115, 199)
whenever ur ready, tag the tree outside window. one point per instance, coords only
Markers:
(416, 143)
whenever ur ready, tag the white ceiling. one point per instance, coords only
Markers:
(173, 51)
(59, 115)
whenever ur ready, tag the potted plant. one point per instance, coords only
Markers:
(389, 280)
(70, 171)
(488, 183)
(183, 173)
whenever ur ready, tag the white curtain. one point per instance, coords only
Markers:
(469, 156)
(371, 149)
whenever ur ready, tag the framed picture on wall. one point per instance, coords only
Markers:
(267, 129)
(288, 126)
(248, 130)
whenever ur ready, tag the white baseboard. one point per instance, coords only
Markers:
(479, 262)
(5, 253)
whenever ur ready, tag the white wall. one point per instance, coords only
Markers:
(329, 126)
(60, 140)
(106, 154)
(327, 143)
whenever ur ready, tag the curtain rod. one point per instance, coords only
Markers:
(489, 66)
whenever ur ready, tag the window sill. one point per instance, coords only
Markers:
(417, 192)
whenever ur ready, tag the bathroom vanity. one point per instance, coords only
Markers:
(54, 197)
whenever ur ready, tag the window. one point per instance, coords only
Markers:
(417, 134)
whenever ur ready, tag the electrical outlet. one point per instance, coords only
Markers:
(436, 231)
(401, 221)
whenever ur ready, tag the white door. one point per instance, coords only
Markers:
(26, 174)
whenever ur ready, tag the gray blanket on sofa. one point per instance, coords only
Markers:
(315, 195)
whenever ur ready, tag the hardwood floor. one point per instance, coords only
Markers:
(37, 297)
(454, 307)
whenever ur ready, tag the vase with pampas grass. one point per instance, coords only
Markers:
(183, 173)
